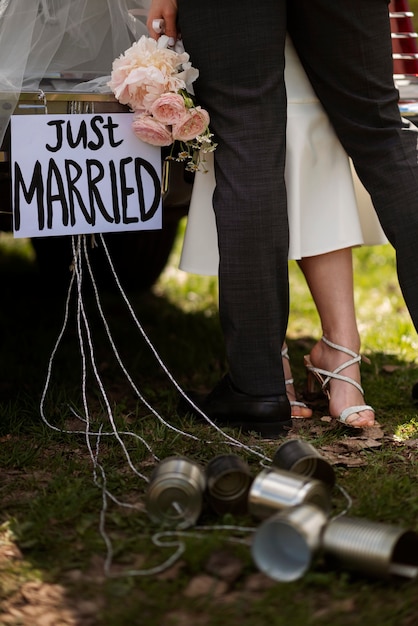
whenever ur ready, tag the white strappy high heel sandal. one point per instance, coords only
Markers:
(324, 377)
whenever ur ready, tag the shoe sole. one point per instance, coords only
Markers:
(266, 430)
(272, 429)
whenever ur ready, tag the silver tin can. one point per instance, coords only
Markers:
(175, 492)
(274, 489)
(375, 548)
(284, 545)
(301, 457)
(228, 481)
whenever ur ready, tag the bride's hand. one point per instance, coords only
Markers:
(163, 10)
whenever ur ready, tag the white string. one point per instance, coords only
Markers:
(87, 353)
(76, 272)
(117, 356)
(349, 502)
(82, 316)
(180, 546)
(236, 442)
(81, 256)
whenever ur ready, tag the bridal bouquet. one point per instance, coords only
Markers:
(154, 80)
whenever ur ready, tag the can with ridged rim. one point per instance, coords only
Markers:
(274, 489)
(299, 456)
(375, 548)
(228, 481)
(284, 545)
(175, 492)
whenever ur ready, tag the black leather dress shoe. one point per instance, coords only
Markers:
(269, 416)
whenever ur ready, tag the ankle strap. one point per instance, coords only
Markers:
(340, 348)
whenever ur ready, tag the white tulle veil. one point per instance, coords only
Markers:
(40, 38)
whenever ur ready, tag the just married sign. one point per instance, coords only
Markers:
(81, 174)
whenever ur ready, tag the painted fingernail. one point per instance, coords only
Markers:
(158, 26)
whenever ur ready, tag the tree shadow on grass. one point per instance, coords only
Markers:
(148, 331)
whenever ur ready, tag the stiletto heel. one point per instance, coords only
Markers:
(312, 380)
(324, 377)
(290, 381)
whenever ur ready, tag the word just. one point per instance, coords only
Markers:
(93, 135)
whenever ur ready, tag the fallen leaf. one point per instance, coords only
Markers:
(411, 443)
(172, 572)
(205, 585)
(361, 443)
(375, 431)
(389, 369)
(338, 606)
(258, 582)
(225, 566)
(340, 456)
(182, 618)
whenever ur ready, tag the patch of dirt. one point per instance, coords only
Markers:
(43, 604)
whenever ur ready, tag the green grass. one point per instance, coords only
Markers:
(51, 481)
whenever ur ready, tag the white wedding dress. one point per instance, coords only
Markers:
(328, 207)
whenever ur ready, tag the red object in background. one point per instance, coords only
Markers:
(404, 38)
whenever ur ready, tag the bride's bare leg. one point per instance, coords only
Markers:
(330, 280)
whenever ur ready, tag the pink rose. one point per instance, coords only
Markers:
(147, 70)
(194, 123)
(151, 131)
(169, 108)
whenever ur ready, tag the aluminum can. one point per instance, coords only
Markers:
(274, 489)
(228, 481)
(284, 544)
(374, 548)
(175, 492)
(297, 455)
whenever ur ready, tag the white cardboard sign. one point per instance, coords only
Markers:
(82, 173)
